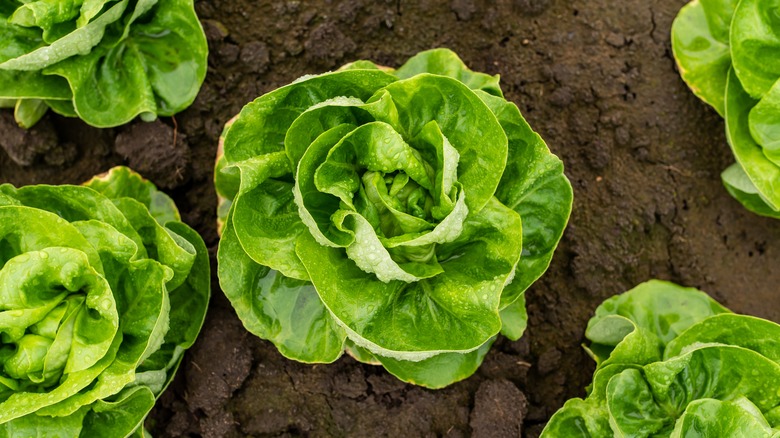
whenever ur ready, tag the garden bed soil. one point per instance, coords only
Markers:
(594, 77)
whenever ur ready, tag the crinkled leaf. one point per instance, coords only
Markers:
(446, 63)
(189, 301)
(161, 243)
(111, 60)
(745, 331)
(25, 229)
(634, 327)
(121, 416)
(188, 304)
(262, 125)
(414, 321)
(46, 13)
(266, 216)
(121, 182)
(37, 425)
(78, 42)
(20, 404)
(578, 418)
(764, 122)
(75, 204)
(709, 417)
(666, 388)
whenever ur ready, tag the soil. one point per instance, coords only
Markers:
(594, 77)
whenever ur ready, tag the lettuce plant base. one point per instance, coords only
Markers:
(595, 79)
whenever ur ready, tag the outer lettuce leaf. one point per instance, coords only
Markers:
(745, 331)
(440, 370)
(710, 376)
(27, 112)
(227, 181)
(121, 182)
(634, 327)
(286, 311)
(533, 184)
(112, 64)
(700, 42)
(742, 189)
(379, 211)
(99, 298)
(445, 62)
(764, 122)
(104, 418)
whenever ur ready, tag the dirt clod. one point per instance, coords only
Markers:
(549, 361)
(532, 7)
(24, 147)
(328, 43)
(156, 151)
(499, 409)
(255, 56)
(463, 9)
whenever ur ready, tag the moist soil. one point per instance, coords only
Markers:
(594, 77)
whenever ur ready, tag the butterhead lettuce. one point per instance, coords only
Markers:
(104, 61)
(399, 215)
(672, 362)
(728, 53)
(102, 289)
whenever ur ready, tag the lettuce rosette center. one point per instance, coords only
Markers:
(58, 316)
(390, 192)
(366, 200)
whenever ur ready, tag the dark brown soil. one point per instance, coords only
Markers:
(594, 77)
